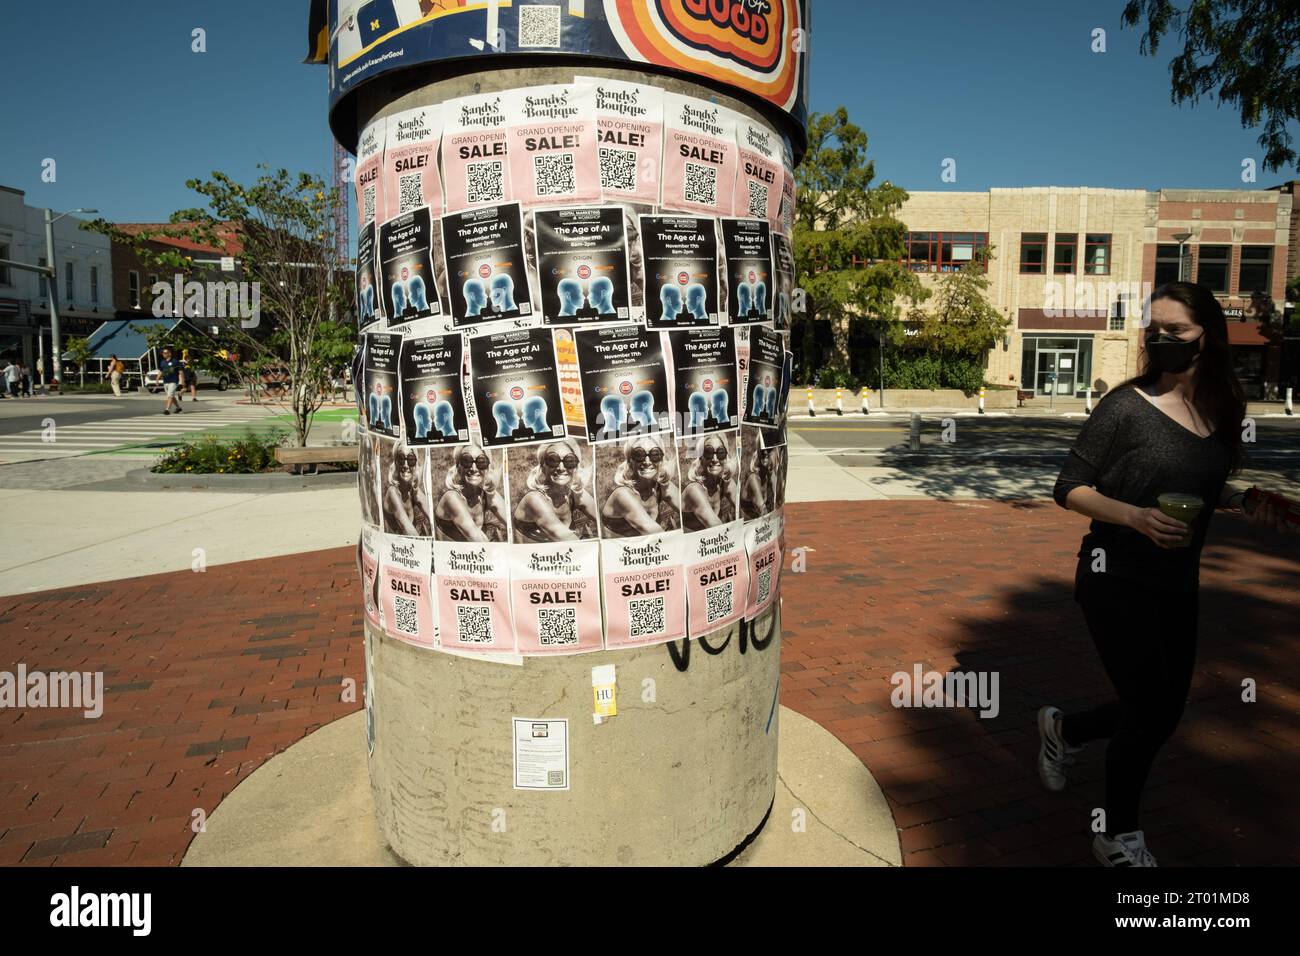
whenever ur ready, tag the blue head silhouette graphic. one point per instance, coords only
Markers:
(415, 292)
(771, 403)
(475, 297)
(743, 298)
(386, 410)
(601, 294)
(643, 409)
(671, 298)
(760, 297)
(443, 419)
(759, 405)
(612, 411)
(535, 415)
(423, 419)
(699, 408)
(372, 408)
(399, 297)
(503, 293)
(697, 302)
(721, 409)
(367, 299)
(507, 418)
(570, 292)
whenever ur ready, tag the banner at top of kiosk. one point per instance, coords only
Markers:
(758, 46)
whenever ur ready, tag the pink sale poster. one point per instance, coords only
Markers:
(371, 544)
(717, 566)
(762, 176)
(474, 171)
(700, 156)
(630, 137)
(411, 180)
(370, 156)
(644, 590)
(551, 144)
(405, 572)
(763, 541)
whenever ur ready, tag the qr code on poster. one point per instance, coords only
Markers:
(764, 586)
(410, 192)
(485, 182)
(557, 627)
(539, 25)
(617, 169)
(408, 620)
(473, 624)
(555, 174)
(758, 200)
(701, 184)
(367, 203)
(646, 618)
(719, 601)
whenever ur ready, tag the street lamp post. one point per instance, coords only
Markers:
(56, 343)
(1184, 273)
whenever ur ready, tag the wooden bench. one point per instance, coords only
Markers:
(315, 455)
(1023, 395)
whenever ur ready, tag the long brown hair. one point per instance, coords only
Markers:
(1217, 395)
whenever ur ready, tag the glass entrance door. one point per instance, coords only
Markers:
(1057, 369)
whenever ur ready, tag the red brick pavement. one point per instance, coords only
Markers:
(208, 675)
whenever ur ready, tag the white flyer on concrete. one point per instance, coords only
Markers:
(541, 754)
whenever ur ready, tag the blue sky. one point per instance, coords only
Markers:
(1010, 90)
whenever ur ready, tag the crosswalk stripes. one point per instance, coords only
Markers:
(81, 438)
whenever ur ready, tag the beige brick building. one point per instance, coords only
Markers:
(1071, 267)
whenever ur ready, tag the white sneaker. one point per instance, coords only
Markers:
(1125, 849)
(1054, 754)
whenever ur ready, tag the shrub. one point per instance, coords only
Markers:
(210, 455)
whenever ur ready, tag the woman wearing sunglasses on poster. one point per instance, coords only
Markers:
(644, 498)
(405, 511)
(557, 505)
(757, 494)
(1174, 431)
(470, 508)
(708, 496)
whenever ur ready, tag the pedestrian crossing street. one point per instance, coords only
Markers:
(67, 441)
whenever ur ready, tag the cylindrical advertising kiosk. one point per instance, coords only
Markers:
(574, 283)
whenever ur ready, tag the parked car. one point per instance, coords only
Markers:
(154, 383)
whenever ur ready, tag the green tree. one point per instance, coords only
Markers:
(847, 241)
(1244, 52)
(285, 227)
(79, 351)
(960, 325)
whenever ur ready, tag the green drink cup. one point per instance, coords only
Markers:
(1183, 508)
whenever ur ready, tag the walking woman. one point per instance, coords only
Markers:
(1170, 436)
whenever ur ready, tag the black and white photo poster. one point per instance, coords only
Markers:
(486, 268)
(624, 381)
(582, 265)
(680, 264)
(516, 386)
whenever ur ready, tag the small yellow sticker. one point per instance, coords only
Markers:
(604, 691)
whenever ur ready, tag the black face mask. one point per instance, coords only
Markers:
(1168, 353)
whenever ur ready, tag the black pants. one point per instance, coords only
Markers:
(1146, 638)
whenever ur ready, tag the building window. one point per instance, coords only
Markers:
(94, 285)
(1213, 266)
(1256, 271)
(4, 270)
(1033, 253)
(45, 286)
(1118, 311)
(133, 289)
(1096, 254)
(1166, 265)
(1066, 256)
(69, 285)
(944, 251)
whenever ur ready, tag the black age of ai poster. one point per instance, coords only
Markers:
(582, 265)
(382, 414)
(369, 301)
(766, 371)
(516, 384)
(750, 282)
(705, 380)
(486, 269)
(624, 382)
(433, 399)
(408, 288)
(680, 256)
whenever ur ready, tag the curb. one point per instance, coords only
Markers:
(272, 481)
